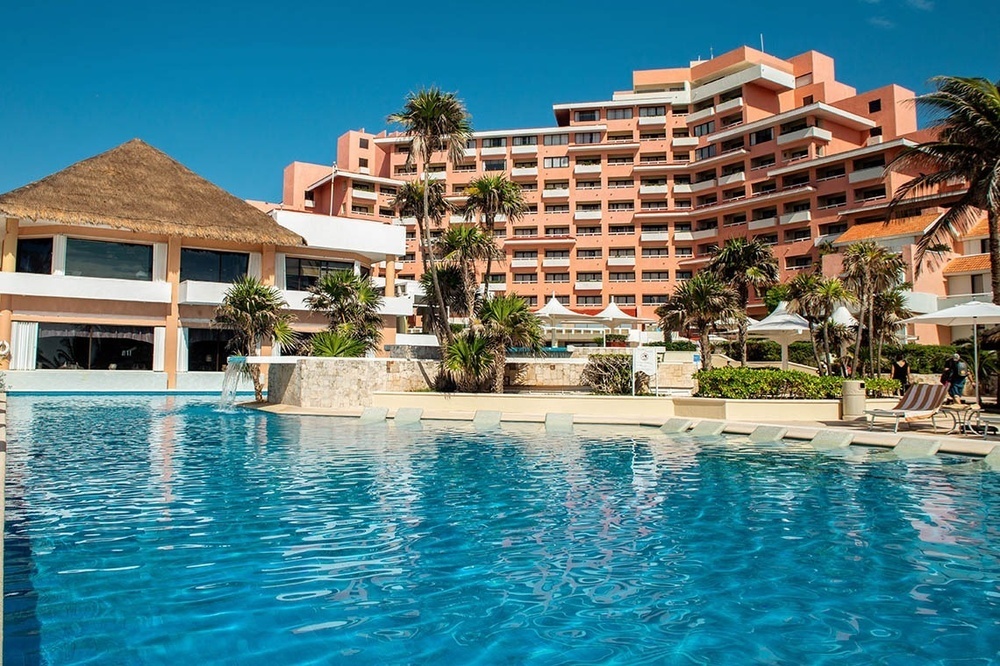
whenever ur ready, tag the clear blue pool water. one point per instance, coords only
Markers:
(155, 530)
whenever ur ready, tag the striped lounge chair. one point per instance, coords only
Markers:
(921, 401)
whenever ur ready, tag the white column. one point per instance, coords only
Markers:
(159, 343)
(59, 254)
(159, 262)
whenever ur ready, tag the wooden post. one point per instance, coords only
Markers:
(172, 333)
(8, 264)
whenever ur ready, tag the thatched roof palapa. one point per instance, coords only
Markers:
(139, 188)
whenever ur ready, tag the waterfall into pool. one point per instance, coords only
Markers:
(235, 370)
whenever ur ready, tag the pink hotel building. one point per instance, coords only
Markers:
(629, 196)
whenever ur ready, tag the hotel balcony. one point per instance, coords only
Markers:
(196, 292)
(683, 188)
(523, 150)
(657, 236)
(556, 193)
(521, 172)
(392, 306)
(797, 216)
(373, 240)
(588, 285)
(653, 189)
(88, 288)
(763, 223)
(652, 120)
(498, 151)
(702, 234)
(408, 221)
(730, 105)
(457, 219)
(436, 175)
(587, 215)
(761, 75)
(704, 185)
(621, 261)
(805, 134)
(684, 142)
(873, 173)
(522, 262)
(738, 177)
(469, 152)
(697, 116)
(555, 262)
(364, 194)
(498, 286)
(587, 168)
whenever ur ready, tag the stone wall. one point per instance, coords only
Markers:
(337, 383)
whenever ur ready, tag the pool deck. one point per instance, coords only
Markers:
(799, 430)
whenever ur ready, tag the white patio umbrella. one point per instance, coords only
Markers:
(554, 313)
(843, 317)
(972, 314)
(783, 327)
(614, 316)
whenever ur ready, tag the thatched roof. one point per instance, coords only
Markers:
(138, 188)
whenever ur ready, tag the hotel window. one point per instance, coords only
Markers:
(705, 153)
(411, 235)
(557, 231)
(557, 254)
(589, 300)
(655, 276)
(682, 157)
(767, 239)
(657, 252)
(587, 116)
(363, 162)
(588, 231)
(622, 252)
(403, 148)
(620, 137)
(361, 210)
(212, 266)
(588, 277)
(402, 169)
(704, 128)
(104, 259)
(555, 162)
(300, 274)
(683, 252)
(86, 347)
(557, 278)
(590, 184)
(495, 165)
(588, 253)
(625, 300)
(619, 114)
(526, 254)
(761, 136)
(526, 232)
(470, 143)
(619, 160)
(526, 140)
(875, 106)
(208, 349)
(588, 161)
(496, 278)
(588, 137)
(388, 190)
(620, 206)
(875, 131)
(620, 184)
(652, 111)
(556, 208)
(525, 278)
(363, 143)
(556, 139)
(652, 136)
(654, 299)
(797, 235)
(680, 133)
(495, 142)
(34, 255)
(621, 230)
(590, 206)
(684, 275)
(532, 301)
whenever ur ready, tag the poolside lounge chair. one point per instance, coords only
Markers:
(921, 401)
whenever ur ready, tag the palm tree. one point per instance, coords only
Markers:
(256, 315)
(353, 305)
(967, 147)
(434, 120)
(803, 299)
(507, 321)
(426, 205)
(870, 269)
(744, 263)
(452, 281)
(334, 343)
(471, 358)
(830, 294)
(890, 309)
(489, 196)
(700, 302)
(462, 245)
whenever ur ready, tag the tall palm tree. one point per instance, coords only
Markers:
(489, 196)
(434, 120)
(967, 147)
(462, 246)
(742, 264)
(870, 269)
(803, 299)
(353, 305)
(830, 294)
(889, 312)
(256, 314)
(700, 302)
(426, 205)
(472, 359)
(507, 321)
(453, 289)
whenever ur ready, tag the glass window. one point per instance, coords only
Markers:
(619, 114)
(556, 139)
(555, 162)
(212, 266)
(495, 165)
(652, 111)
(525, 140)
(704, 128)
(34, 255)
(86, 347)
(208, 349)
(300, 274)
(587, 116)
(104, 259)
(494, 142)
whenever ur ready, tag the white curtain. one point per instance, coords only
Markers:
(279, 270)
(23, 345)
(59, 255)
(159, 343)
(159, 262)
(182, 349)
(254, 265)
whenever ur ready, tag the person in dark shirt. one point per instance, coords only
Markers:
(901, 372)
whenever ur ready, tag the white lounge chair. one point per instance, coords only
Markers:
(921, 401)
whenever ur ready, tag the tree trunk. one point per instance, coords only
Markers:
(741, 331)
(489, 260)
(872, 366)
(706, 348)
(863, 300)
(813, 338)
(501, 363)
(444, 329)
(993, 222)
(826, 346)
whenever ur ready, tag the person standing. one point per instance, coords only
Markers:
(956, 371)
(901, 373)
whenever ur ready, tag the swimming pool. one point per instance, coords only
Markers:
(159, 530)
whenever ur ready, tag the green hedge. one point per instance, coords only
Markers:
(675, 345)
(768, 383)
(923, 359)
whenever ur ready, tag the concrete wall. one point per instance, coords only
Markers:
(338, 383)
(592, 408)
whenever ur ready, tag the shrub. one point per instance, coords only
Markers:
(675, 345)
(877, 387)
(611, 374)
(763, 383)
(923, 359)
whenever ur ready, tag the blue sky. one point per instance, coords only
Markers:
(238, 90)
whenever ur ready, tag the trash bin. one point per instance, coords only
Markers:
(852, 401)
